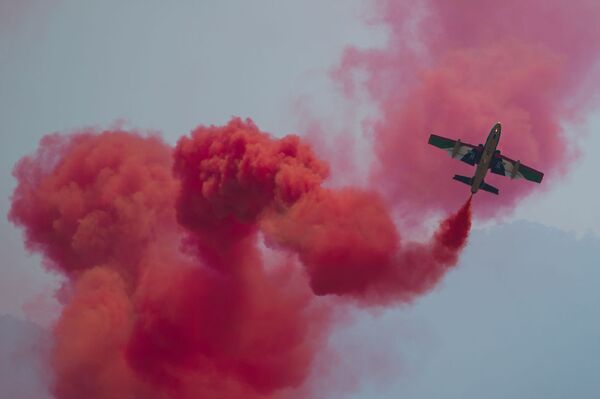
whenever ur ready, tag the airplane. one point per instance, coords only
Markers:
(485, 156)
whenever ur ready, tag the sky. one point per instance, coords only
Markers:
(517, 318)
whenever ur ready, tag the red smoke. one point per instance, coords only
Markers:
(457, 67)
(349, 246)
(213, 269)
(170, 292)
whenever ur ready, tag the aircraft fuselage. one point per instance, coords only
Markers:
(487, 155)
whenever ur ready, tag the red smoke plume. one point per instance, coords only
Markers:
(349, 246)
(457, 67)
(169, 293)
(203, 270)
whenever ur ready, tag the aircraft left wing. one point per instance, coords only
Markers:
(515, 169)
(455, 148)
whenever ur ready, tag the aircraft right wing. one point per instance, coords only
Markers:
(456, 149)
(515, 170)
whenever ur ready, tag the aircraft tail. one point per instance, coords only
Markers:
(490, 189)
(464, 179)
(484, 186)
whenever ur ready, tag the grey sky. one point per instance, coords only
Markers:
(170, 66)
(518, 319)
(22, 348)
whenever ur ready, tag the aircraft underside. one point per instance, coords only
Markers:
(485, 157)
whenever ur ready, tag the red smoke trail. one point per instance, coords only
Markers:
(168, 293)
(349, 246)
(457, 67)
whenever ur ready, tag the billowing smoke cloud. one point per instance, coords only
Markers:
(455, 68)
(350, 246)
(205, 269)
(213, 269)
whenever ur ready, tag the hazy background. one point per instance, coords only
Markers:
(519, 318)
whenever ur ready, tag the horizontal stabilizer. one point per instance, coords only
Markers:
(463, 179)
(490, 189)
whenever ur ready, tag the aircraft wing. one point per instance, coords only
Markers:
(515, 170)
(455, 148)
